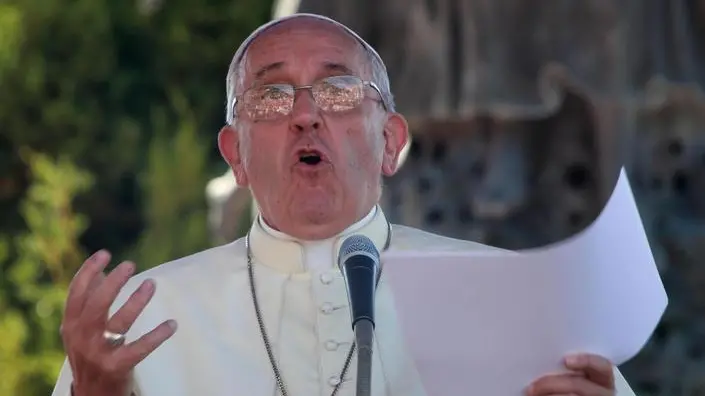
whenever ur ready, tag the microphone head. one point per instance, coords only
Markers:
(357, 244)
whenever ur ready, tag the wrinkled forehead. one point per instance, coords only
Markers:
(331, 27)
(303, 42)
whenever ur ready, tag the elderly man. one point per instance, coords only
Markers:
(311, 129)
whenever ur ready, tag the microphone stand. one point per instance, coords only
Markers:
(364, 338)
(359, 262)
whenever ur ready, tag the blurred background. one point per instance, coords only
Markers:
(522, 114)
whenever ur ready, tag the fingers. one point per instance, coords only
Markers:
(123, 319)
(590, 375)
(116, 363)
(596, 368)
(566, 384)
(80, 286)
(96, 310)
(132, 354)
(564, 394)
(95, 283)
(86, 318)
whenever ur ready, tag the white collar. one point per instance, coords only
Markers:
(287, 254)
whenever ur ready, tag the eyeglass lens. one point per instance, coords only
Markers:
(332, 94)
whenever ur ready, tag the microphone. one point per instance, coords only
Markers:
(358, 260)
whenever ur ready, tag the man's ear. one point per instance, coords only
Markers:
(396, 136)
(229, 145)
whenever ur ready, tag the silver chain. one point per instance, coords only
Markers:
(263, 331)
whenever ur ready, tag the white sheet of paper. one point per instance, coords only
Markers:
(489, 324)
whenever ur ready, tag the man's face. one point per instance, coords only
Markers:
(313, 172)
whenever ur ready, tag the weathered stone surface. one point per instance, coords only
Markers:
(515, 184)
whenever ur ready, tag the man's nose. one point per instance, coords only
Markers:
(305, 114)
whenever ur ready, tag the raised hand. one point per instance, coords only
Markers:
(94, 342)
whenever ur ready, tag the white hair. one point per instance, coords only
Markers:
(234, 78)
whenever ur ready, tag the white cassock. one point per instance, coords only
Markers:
(218, 349)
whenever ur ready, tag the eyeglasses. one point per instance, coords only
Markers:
(332, 94)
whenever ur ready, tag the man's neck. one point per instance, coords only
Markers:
(316, 232)
(281, 235)
(316, 253)
(291, 254)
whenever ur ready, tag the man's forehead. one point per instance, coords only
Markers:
(334, 49)
(304, 22)
(306, 25)
(307, 30)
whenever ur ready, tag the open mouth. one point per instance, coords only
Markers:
(310, 157)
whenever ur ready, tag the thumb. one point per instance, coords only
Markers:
(597, 369)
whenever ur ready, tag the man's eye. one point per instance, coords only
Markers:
(275, 94)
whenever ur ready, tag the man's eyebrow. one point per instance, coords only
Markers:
(327, 66)
(267, 68)
(337, 67)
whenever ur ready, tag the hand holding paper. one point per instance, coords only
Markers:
(499, 321)
(589, 375)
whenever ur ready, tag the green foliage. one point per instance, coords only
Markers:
(175, 208)
(136, 96)
(84, 77)
(10, 31)
(33, 292)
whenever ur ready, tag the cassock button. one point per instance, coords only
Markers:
(327, 308)
(331, 345)
(333, 381)
(326, 278)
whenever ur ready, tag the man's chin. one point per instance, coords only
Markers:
(312, 171)
(313, 214)
(310, 193)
